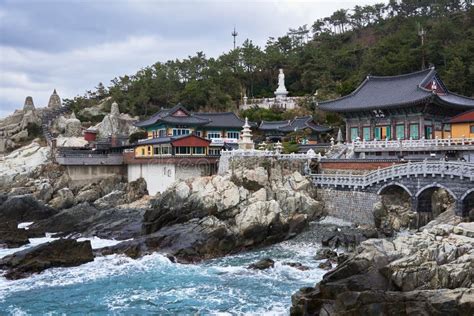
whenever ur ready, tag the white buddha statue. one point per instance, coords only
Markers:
(281, 91)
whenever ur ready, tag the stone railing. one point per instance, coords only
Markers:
(412, 143)
(441, 168)
(267, 153)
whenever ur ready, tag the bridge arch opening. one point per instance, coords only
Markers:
(467, 204)
(394, 211)
(433, 200)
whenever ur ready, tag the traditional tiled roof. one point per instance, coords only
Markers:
(273, 125)
(298, 123)
(166, 116)
(208, 120)
(377, 92)
(221, 119)
(463, 117)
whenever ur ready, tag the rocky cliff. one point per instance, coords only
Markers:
(256, 203)
(430, 272)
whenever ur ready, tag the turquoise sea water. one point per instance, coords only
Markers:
(153, 285)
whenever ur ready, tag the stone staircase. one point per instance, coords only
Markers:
(48, 119)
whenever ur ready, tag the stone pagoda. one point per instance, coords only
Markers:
(246, 142)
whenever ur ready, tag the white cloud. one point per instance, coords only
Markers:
(139, 34)
(27, 72)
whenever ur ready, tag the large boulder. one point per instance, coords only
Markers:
(85, 220)
(64, 198)
(58, 253)
(24, 208)
(11, 236)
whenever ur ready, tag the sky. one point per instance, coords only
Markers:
(72, 45)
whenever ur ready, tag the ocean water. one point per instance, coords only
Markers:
(118, 285)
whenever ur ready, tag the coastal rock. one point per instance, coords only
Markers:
(11, 236)
(262, 264)
(418, 273)
(24, 208)
(85, 220)
(58, 253)
(252, 206)
(136, 190)
(110, 200)
(326, 265)
(297, 265)
(325, 253)
(64, 198)
(44, 191)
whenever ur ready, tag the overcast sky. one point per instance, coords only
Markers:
(73, 45)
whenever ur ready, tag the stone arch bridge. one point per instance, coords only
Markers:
(419, 180)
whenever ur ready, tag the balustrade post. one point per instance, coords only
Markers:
(463, 140)
(449, 140)
(436, 140)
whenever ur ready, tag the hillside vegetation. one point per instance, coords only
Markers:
(332, 57)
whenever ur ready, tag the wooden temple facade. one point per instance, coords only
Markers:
(411, 106)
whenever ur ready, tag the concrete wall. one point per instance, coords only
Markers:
(82, 175)
(349, 205)
(160, 177)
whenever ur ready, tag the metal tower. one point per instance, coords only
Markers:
(234, 34)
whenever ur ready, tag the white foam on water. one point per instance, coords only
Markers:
(33, 242)
(97, 242)
(24, 225)
(101, 267)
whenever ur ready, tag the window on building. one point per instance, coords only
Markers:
(162, 132)
(387, 132)
(181, 131)
(366, 133)
(213, 134)
(354, 133)
(447, 127)
(183, 150)
(198, 133)
(149, 150)
(471, 129)
(157, 150)
(429, 132)
(165, 150)
(143, 151)
(153, 133)
(378, 133)
(414, 131)
(234, 135)
(400, 131)
(214, 151)
(198, 150)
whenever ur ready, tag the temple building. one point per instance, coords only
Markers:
(167, 125)
(410, 106)
(278, 130)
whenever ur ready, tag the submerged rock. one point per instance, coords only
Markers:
(262, 264)
(58, 253)
(297, 265)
